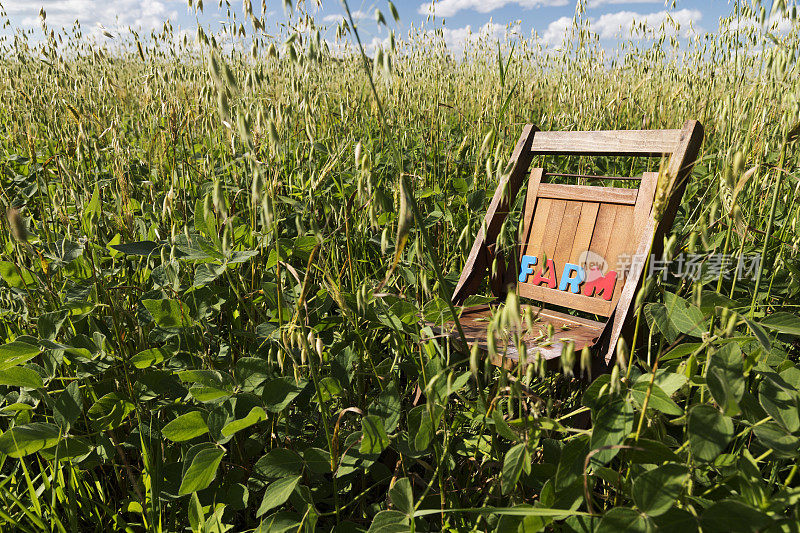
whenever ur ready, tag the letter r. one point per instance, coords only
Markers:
(572, 282)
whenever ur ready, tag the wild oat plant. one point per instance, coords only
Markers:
(223, 256)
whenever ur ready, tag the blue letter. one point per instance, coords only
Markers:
(573, 283)
(526, 268)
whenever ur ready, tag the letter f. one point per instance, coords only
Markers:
(526, 268)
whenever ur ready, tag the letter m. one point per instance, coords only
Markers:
(603, 285)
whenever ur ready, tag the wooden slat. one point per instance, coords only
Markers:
(587, 193)
(583, 236)
(478, 259)
(530, 202)
(620, 243)
(644, 203)
(544, 294)
(551, 230)
(567, 234)
(603, 228)
(533, 245)
(650, 143)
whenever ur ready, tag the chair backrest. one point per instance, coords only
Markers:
(583, 239)
(578, 242)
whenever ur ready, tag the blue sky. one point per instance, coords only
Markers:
(462, 19)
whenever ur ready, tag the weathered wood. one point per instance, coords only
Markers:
(587, 193)
(579, 302)
(583, 235)
(580, 331)
(562, 222)
(650, 143)
(477, 260)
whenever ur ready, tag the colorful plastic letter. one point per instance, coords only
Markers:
(604, 285)
(526, 267)
(539, 278)
(573, 282)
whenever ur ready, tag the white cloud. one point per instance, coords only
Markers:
(358, 15)
(117, 14)
(554, 34)
(597, 3)
(457, 39)
(775, 24)
(620, 24)
(448, 8)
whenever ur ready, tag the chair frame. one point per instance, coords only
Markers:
(682, 147)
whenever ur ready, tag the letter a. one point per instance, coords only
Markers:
(539, 278)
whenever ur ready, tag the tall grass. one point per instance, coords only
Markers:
(213, 280)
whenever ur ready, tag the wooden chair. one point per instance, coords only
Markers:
(564, 224)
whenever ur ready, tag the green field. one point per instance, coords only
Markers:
(214, 286)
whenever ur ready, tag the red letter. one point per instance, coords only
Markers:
(539, 278)
(603, 284)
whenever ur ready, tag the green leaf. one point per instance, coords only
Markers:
(19, 279)
(685, 317)
(92, 210)
(277, 493)
(196, 515)
(624, 519)
(148, 358)
(402, 496)
(109, 411)
(389, 522)
(279, 393)
(68, 406)
(387, 407)
(783, 322)
(67, 449)
(420, 427)
(780, 400)
(657, 317)
(709, 432)
(18, 376)
(776, 438)
(658, 398)
(513, 464)
(374, 439)
(676, 520)
(303, 247)
(759, 332)
(645, 451)
(141, 248)
(725, 378)
(186, 427)
(597, 393)
(279, 463)
(318, 460)
(612, 424)
(17, 353)
(655, 491)
(20, 441)
(329, 388)
(256, 415)
(169, 313)
(570, 464)
(201, 471)
(728, 516)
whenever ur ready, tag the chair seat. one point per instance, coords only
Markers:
(475, 320)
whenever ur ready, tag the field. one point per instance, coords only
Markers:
(215, 285)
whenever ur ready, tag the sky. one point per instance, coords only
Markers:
(461, 20)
